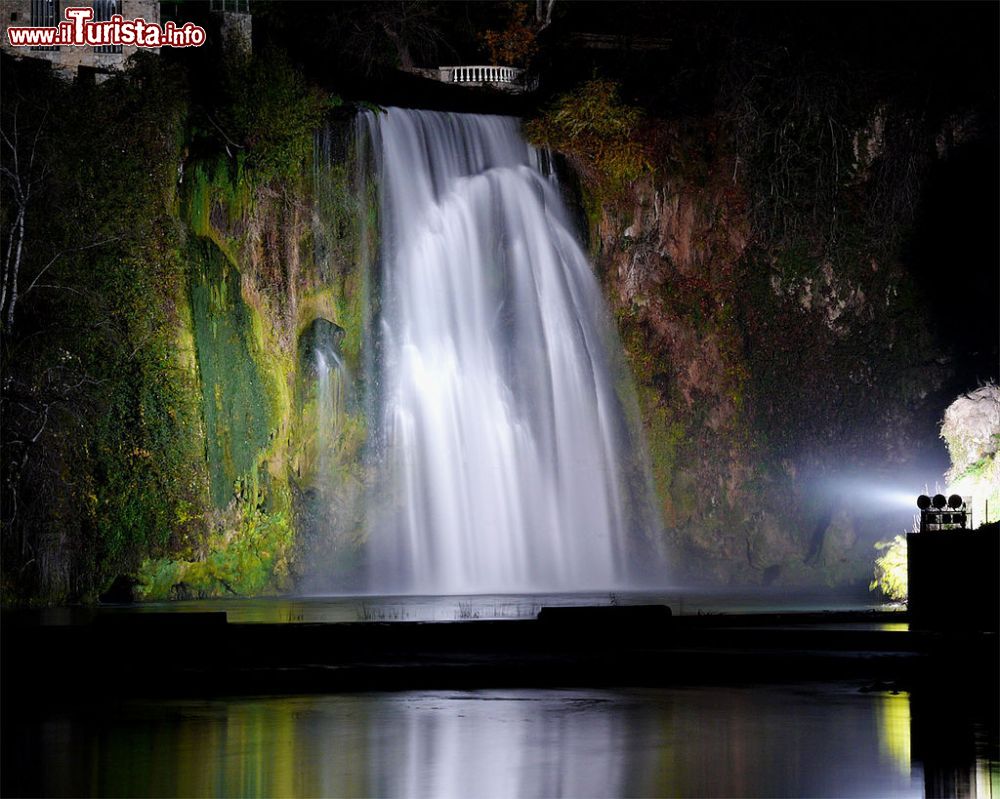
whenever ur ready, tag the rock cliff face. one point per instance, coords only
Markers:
(276, 308)
(771, 361)
(669, 253)
(770, 365)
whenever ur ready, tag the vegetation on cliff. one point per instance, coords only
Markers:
(256, 280)
(99, 395)
(149, 357)
(593, 125)
(891, 577)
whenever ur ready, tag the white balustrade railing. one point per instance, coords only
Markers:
(480, 74)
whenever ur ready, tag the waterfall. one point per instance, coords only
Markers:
(329, 406)
(507, 462)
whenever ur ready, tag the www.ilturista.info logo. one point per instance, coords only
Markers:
(77, 30)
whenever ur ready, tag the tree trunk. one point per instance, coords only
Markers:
(13, 266)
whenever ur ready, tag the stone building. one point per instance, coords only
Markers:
(48, 13)
(226, 20)
(234, 18)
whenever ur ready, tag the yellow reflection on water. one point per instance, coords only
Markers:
(987, 779)
(895, 627)
(893, 714)
(267, 745)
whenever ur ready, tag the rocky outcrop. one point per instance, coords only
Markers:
(762, 362)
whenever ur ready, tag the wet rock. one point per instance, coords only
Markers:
(320, 339)
(121, 591)
(182, 590)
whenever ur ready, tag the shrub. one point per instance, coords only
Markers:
(593, 125)
(272, 112)
(515, 44)
(890, 569)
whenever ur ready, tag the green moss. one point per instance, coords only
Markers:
(235, 401)
(251, 561)
(217, 188)
(246, 554)
(664, 436)
(258, 399)
(350, 315)
(273, 365)
(170, 353)
(335, 239)
(795, 262)
(157, 577)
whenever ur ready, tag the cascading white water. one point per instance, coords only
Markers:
(507, 461)
(329, 404)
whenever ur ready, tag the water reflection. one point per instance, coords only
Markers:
(893, 714)
(804, 741)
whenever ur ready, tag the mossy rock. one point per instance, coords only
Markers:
(320, 337)
(234, 400)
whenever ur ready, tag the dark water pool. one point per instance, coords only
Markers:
(793, 740)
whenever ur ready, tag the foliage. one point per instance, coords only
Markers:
(831, 177)
(890, 568)
(336, 215)
(820, 149)
(832, 172)
(592, 124)
(379, 37)
(270, 111)
(147, 391)
(219, 195)
(514, 45)
(108, 459)
(800, 342)
(245, 556)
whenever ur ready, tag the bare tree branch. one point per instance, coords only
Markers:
(21, 183)
(61, 253)
(543, 13)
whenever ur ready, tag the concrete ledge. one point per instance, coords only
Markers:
(203, 656)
